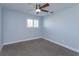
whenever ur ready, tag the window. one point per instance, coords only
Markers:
(32, 23)
(29, 23)
(36, 23)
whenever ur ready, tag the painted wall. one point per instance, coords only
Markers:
(15, 27)
(0, 27)
(63, 27)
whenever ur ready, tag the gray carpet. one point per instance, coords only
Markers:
(38, 47)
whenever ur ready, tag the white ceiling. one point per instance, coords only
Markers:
(30, 7)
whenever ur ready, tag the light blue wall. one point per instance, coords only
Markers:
(15, 28)
(0, 26)
(63, 27)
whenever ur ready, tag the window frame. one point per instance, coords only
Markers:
(30, 23)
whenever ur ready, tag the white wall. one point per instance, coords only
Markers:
(15, 29)
(63, 27)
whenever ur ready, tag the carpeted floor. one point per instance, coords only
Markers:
(38, 47)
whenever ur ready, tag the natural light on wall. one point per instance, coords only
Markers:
(32, 23)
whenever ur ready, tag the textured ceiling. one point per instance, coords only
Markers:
(30, 7)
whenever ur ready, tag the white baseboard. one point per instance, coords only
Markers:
(20, 40)
(66, 46)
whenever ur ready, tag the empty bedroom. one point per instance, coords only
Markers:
(39, 29)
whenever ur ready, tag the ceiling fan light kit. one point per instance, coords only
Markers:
(38, 10)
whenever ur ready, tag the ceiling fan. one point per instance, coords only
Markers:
(41, 8)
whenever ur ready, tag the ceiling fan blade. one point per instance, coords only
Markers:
(44, 10)
(36, 6)
(51, 12)
(45, 5)
(39, 6)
